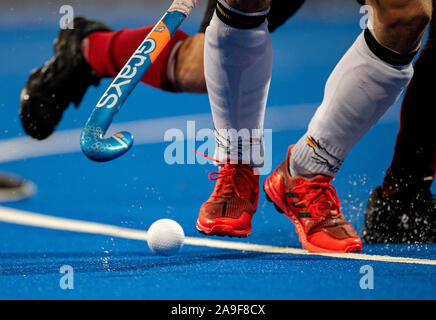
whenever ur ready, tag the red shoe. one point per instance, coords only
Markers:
(233, 202)
(314, 208)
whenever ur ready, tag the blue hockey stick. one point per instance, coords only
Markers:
(92, 140)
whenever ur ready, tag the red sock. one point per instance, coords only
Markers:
(415, 151)
(108, 52)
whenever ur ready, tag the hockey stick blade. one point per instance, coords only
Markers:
(92, 141)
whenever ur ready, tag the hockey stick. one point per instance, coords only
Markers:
(92, 140)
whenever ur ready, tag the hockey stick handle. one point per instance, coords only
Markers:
(92, 140)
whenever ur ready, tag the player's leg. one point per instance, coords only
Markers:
(403, 208)
(364, 84)
(237, 69)
(238, 62)
(238, 65)
(82, 56)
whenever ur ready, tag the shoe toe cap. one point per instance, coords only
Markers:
(322, 242)
(36, 115)
(209, 219)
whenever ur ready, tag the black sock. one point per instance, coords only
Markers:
(385, 54)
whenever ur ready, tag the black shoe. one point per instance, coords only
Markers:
(62, 80)
(406, 216)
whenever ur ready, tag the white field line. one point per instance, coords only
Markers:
(26, 218)
(293, 117)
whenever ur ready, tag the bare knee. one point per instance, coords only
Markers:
(415, 15)
(249, 5)
(401, 24)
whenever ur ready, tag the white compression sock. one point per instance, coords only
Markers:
(238, 65)
(359, 91)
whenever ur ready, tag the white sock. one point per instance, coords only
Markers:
(360, 90)
(238, 65)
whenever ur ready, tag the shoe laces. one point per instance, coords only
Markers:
(232, 170)
(317, 194)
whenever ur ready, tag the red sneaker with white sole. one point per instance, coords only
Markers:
(314, 208)
(233, 202)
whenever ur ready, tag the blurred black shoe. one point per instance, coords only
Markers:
(14, 188)
(63, 79)
(406, 215)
